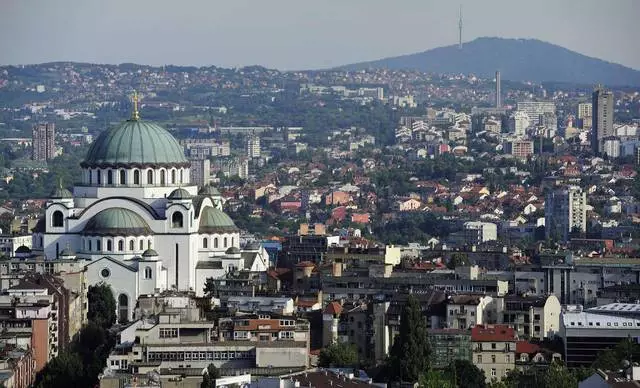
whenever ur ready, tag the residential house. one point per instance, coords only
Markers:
(494, 349)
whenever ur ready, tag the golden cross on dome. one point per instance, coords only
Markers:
(135, 115)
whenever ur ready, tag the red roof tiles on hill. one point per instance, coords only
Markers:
(492, 333)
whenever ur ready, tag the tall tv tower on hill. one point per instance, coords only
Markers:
(460, 29)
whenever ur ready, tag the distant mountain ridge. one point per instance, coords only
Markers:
(517, 60)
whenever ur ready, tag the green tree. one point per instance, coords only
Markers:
(435, 379)
(611, 359)
(102, 305)
(61, 371)
(458, 259)
(410, 353)
(558, 376)
(209, 378)
(339, 355)
(209, 288)
(467, 374)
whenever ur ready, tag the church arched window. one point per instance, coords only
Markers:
(142, 245)
(120, 245)
(123, 177)
(224, 243)
(90, 177)
(232, 241)
(163, 178)
(136, 177)
(132, 245)
(109, 245)
(57, 220)
(181, 176)
(148, 273)
(98, 245)
(99, 176)
(176, 220)
(109, 177)
(150, 177)
(205, 243)
(215, 242)
(173, 177)
(90, 247)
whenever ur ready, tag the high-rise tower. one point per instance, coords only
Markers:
(460, 29)
(43, 138)
(498, 99)
(602, 119)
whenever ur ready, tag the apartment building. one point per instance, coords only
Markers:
(565, 212)
(448, 345)
(17, 367)
(466, 311)
(43, 140)
(494, 349)
(175, 340)
(531, 317)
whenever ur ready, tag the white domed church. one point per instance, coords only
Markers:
(137, 222)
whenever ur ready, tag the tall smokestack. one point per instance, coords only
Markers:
(498, 100)
(460, 29)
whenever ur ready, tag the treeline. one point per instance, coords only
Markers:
(86, 356)
(413, 227)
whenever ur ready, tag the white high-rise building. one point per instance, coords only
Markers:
(535, 109)
(565, 211)
(519, 123)
(253, 147)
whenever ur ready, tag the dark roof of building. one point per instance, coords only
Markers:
(333, 308)
(492, 333)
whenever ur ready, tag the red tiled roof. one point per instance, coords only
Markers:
(492, 333)
(333, 308)
(526, 347)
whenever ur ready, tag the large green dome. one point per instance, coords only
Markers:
(214, 220)
(135, 143)
(117, 221)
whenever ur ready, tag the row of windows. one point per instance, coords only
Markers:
(175, 177)
(169, 333)
(205, 242)
(88, 245)
(507, 358)
(195, 356)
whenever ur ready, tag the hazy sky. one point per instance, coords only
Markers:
(300, 34)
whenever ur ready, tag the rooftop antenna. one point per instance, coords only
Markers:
(460, 29)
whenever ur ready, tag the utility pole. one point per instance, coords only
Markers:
(460, 29)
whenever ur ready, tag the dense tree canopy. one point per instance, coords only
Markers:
(102, 305)
(410, 352)
(339, 355)
(209, 378)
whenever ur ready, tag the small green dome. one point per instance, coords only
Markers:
(209, 190)
(135, 143)
(22, 249)
(117, 221)
(60, 193)
(214, 220)
(233, 251)
(180, 194)
(150, 253)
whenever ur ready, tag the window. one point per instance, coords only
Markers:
(148, 273)
(57, 219)
(132, 245)
(479, 358)
(176, 220)
(98, 245)
(215, 242)
(536, 317)
(90, 176)
(493, 372)
(205, 242)
(99, 176)
(149, 177)
(173, 177)
(181, 180)
(123, 177)
(493, 345)
(90, 245)
(105, 273)
(169, 333)
(286, 334)
(163, 178)
(224, 244)
(120, 245)
(493, 358)
(507, 358)
(109, 246)
(109, 177)
(142, 245)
